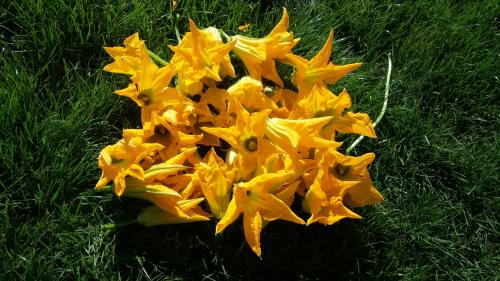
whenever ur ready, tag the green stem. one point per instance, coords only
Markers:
(157, 58)
(227, 37)
(109, 226)
(97, 190)
(118, 225)
(176, 28)
(384, 107)
(106, 188)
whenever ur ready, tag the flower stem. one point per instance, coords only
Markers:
(118, 225)
(177, 34)
(227, 37)
(384, 107)
(157, 58)
(106, 188)
(97, 190)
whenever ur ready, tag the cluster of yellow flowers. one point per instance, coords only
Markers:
(266, 144)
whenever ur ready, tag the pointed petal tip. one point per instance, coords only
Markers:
(119, 193)
(330, 37)
(101, 183)
(282, 25)
(357, 64)
(310, 221)
(192, 26)
(370, 156)
(258, 252)
(285, 15)
(108, 68)
(218, 229)
(206, 129)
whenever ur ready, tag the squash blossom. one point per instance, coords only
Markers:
(219, 142)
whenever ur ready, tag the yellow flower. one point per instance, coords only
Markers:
(133, 59)
(201, 55)
(163, 197)
(166, 105)
(212, 109)
(179, 183)
(154, 215)
(212, 102)
(122, 159)
(287, 193)
(277, 143)
(256, 201)
(172, 165)
(244, 27)
(258, 55)
(153, 186)
(341, 180)
(283, 99)
(324, 199)
(350, 168)
(168, 136)
(247, 137)
(321, 102)
(150, 87)
(318, 70)
(327, 209)
(249, 92)
(150, 83)
(215, 180)
(295, 136)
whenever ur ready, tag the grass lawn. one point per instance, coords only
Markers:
(438, 146)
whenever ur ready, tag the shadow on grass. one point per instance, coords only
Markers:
(193, 252)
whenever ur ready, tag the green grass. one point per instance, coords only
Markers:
(437, 151)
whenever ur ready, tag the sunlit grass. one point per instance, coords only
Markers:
(437, 150)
